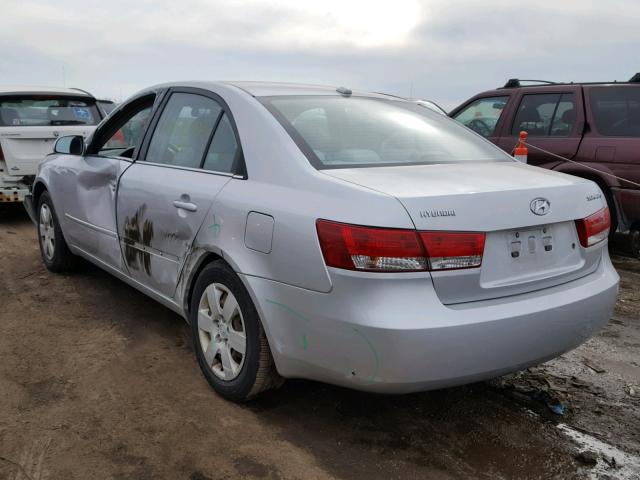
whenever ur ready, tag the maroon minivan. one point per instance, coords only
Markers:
(596, 124)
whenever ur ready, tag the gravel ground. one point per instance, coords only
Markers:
(98, 381)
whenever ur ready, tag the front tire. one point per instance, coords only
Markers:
(53, 248)
(228, 338)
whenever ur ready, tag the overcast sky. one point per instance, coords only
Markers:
(444, 50)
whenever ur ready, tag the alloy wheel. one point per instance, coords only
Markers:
(47, 232)
(221, 331)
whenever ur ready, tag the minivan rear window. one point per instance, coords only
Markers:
(346, 132)
(43, 110)
(616, 110)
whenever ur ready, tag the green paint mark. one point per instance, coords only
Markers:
(376, 359)
(289, 309)
(298, 315)
(305, 340)
(216, 228)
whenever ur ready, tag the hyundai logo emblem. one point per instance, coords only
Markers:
(540, 206)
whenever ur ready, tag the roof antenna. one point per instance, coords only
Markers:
(344, 91)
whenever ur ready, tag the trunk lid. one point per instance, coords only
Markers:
(26, 146)
(496, 198)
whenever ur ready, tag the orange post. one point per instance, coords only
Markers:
(521, 151)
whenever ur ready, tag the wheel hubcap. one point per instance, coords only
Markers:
(47, 232)
(221, 331)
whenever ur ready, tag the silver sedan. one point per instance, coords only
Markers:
(348, 237)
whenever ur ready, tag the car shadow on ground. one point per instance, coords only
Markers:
(457, 431)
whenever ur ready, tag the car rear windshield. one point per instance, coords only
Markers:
(616, 110)
(346, 132)
(43, 110)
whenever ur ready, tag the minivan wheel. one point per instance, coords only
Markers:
(53, 248)
(228, 338)
(612, 211)
(634, 241)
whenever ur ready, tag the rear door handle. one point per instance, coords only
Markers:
(191, 207)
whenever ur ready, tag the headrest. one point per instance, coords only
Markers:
(529, 115)
(9, 116)
(569, 116)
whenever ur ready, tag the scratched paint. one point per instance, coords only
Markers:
(136, 232)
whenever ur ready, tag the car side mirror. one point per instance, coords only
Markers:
(71, 145)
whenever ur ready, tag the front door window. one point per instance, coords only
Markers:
(483, 114)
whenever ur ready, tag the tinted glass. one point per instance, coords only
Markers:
(483, 114)
(339, 132)
(565, 116)
(223, 149)
(616, 111)
(545, 114)
(107, 106)
(31, 111)
(183, 131)
(129, 134)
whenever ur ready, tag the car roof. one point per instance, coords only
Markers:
(35, 90)
(268, 89)
(517, 83)
(547, 86)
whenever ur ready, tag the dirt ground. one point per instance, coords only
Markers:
(99, 382)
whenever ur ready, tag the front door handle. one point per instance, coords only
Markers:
(191, 207)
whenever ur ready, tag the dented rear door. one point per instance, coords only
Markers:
(165, 197)
(160, 210)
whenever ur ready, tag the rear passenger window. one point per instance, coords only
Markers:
(616, 111)
(483, 114)
(224, 148)
(183, 131)
(546, 115)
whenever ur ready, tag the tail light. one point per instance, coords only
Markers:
(594, 228)
(368, 248)
(449, 250)
(374, 249)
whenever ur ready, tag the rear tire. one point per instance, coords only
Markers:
(53, 248)
(228, 338)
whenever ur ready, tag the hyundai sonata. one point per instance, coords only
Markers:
(348, 237)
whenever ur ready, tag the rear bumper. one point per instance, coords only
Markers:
(393, 335)
(11, 194)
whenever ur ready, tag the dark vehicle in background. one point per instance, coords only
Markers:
(106, 106)
(596, 124)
